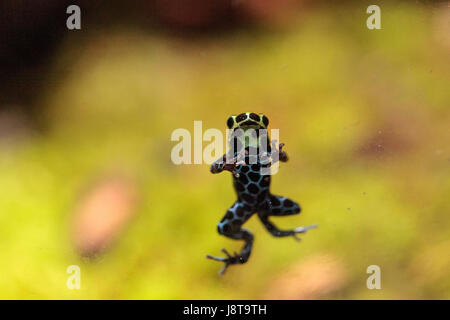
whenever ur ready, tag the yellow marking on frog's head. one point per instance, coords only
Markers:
(248, 120)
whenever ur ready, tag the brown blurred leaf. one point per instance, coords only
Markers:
(318, 277)
(269, 11)
(102, 213)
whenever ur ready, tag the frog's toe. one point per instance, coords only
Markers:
(208, 256)
(304, 229)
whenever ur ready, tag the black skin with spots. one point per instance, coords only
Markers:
(253, 196)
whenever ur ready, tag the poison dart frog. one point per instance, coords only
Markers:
(249, 159)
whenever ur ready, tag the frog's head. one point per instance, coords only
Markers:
(248, 120)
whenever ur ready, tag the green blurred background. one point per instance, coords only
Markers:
(85, 171)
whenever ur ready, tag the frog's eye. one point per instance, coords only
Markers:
(265, 120)
(230, 122)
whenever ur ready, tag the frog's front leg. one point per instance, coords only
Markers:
(230, 226)
(227, 162)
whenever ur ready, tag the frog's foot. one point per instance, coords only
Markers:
(278, 154)
(229, 260)
(302, 230)
(283, 155)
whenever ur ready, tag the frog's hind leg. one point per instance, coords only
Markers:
(281, 206)
(230, 226)
(240, 258)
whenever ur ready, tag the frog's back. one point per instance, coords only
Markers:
(251, 186)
